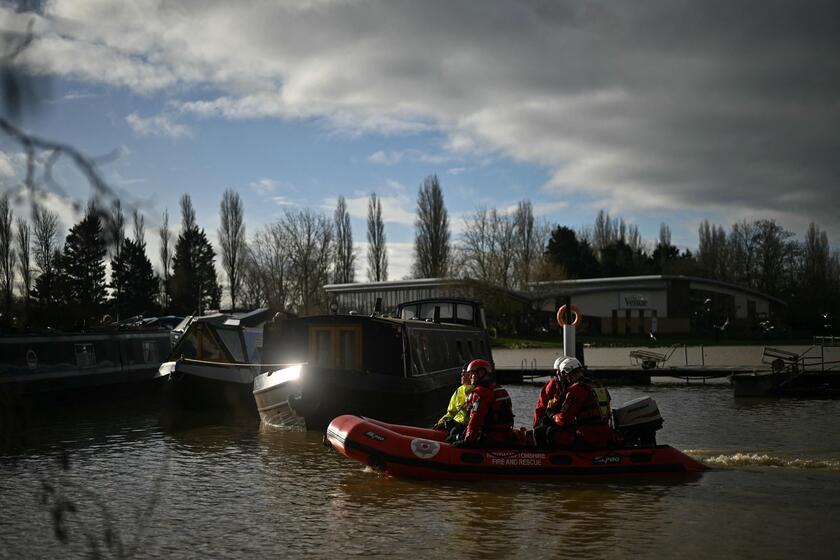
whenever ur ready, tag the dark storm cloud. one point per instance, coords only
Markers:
(730, 107)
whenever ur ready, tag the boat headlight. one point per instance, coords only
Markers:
(286, 374)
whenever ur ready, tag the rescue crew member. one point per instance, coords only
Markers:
(551, 396)
(456, 413)
(489, 407)
(551, 393)
(583, 418)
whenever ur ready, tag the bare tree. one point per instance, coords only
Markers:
(165, 255)
(487, 248)
(267, 279)
(712, 251)
(7, 253)
(634, 238)
(775, 257)
(377, 251)
(115, 227)
(139, 228)
(345, 256)
(664, 234)
(310, 240)
(742, 250)
(24, 250)
(816, 260)
(603, 232)
(431, 241)
(187, 213)
(232, 240)
(45, 230)
(525, 243)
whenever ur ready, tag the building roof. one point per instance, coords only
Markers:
(652, 281)
(356, 287)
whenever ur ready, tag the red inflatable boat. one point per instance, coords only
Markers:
(407, 451)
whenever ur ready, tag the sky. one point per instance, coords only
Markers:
(657, 112)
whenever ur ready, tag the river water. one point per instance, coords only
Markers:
(231, 488)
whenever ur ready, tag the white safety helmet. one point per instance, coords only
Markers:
(567, 365)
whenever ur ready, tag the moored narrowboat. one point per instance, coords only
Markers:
(399, 368)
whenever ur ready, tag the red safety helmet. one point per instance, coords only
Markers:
(477, 364)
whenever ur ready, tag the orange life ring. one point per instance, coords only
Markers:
(561, 316)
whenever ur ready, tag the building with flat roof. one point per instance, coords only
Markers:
(659, 304)
(630, 305)
(506, 310)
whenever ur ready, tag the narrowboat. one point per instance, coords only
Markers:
(213, 362)
(398, 368)
(53, 363)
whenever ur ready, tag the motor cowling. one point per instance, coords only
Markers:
(638, 421)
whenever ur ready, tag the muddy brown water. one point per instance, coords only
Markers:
(231, 488)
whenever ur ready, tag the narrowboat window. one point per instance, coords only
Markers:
(470, 347)
(460, 346)
(409, 312)
(481, 345)
(230, 338)
(427, 310)
(323, 347)
(208, 348)
(85, 355)
(465, 312)
(150, 352)
(348, 352)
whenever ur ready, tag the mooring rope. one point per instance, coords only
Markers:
(238, 364)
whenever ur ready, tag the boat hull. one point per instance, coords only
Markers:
(411, 452)
(209, 387)
(319, 395)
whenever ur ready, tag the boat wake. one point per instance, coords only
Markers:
(740, 460)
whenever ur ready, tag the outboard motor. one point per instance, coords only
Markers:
(637, 421)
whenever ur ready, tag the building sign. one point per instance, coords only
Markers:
(632, 301)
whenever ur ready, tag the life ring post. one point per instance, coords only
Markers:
(565, 319)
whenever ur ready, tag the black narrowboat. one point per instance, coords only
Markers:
(402, 368)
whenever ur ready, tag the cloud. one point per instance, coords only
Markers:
(396, 156)
(652, 106)
(6, 167)
(263, 186)
(282, 201)
(158, 125)
(395, 209)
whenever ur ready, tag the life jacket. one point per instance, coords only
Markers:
(597, 408)
(500, 416)
(498, 423)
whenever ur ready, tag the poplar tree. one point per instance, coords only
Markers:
(431, 243)
(345, 257)
(232, 241)
(377, 251)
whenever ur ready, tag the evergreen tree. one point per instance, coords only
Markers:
(49, 285)
(84, 266)
(136, 286)
(574, 255)
(194, 285)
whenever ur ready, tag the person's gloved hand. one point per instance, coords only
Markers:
(440, 427)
